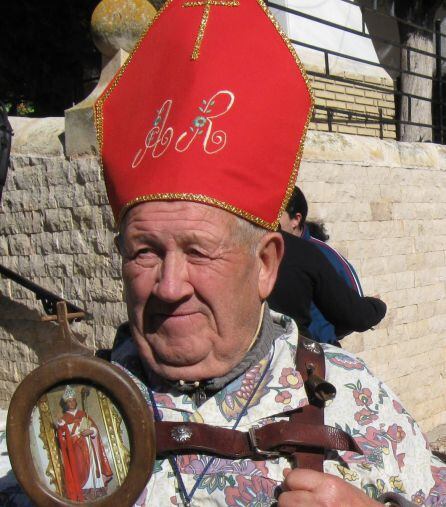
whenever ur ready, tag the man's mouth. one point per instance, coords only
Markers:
(175, 315)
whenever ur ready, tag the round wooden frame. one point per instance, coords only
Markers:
(124, 393)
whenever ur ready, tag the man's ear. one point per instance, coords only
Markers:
(270, 253)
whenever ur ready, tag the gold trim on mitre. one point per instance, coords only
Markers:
(204, 199)
(295, 170)
(273, 226)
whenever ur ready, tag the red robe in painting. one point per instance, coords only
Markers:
(76, 457)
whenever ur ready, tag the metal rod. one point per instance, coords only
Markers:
(439, 136)
(353, 31)
(361, 60)
(381, 133)
(48, 299)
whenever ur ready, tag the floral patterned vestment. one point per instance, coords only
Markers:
(396, 454)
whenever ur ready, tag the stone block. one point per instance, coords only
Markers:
(87, 169)
(365, 248)
(430, 276)
(317, 84)
(28, 178)
(108, 218)
(426, 310)
(417, 155)
(405, 279)
(378, 265)
(440, 307)
(430, 244)
(20, 244)
(428, 407)
(356, 91)
(104, 335)
(58, 220)
(79, 119)
(381, 211)
(342, 231)
(103, 241)
(37, 137)
(323, 94)
(4, 248)
(74, 289)
(95, 194)
(378, 175)
(59, 265)
(390, 193)
(71, 242)
(37, 266)
(59, 173)
(358, 108)
(88, 217)
(397, 318)
(105, 290)
(367, 131)
(17, 161)
(434, 259)
(64, 196)
(437, 324)
(434, 227)
(367, 192)
(384, 283)
(342, 96)
(376, 230)
(44, 243)
(91, 265)
(16, 201)
(374, 338)
(37, 201)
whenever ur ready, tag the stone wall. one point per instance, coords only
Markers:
(56, 229)
(383, 203)
(367, 94)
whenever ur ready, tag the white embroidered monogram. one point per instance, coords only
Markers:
(159, 138)
(207, 109)
(156, 136)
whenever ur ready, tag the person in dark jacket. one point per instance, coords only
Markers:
(294, 222)
(306, 276)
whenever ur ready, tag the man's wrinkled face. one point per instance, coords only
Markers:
(192, 288)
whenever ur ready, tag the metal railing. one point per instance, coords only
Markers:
(380, 119)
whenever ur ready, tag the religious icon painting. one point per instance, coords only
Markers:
(79, 432)
(79, 442)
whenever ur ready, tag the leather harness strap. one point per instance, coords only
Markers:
(281, 438)
(304, 437)
(310, 362)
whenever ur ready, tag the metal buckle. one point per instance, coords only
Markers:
(255, 447)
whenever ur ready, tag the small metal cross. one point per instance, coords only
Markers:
(207, 4)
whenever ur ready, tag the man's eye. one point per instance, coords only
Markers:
(144, 252)
(193, 252)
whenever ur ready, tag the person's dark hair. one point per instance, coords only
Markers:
(297, 204)
(317, 230)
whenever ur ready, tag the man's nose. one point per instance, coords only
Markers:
(173, 284)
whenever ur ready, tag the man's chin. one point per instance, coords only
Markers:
(187, 372)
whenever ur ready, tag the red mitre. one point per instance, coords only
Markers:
(212, 106)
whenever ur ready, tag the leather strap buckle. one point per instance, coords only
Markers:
(254, 445)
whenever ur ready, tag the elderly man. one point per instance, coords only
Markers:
(192, 132)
